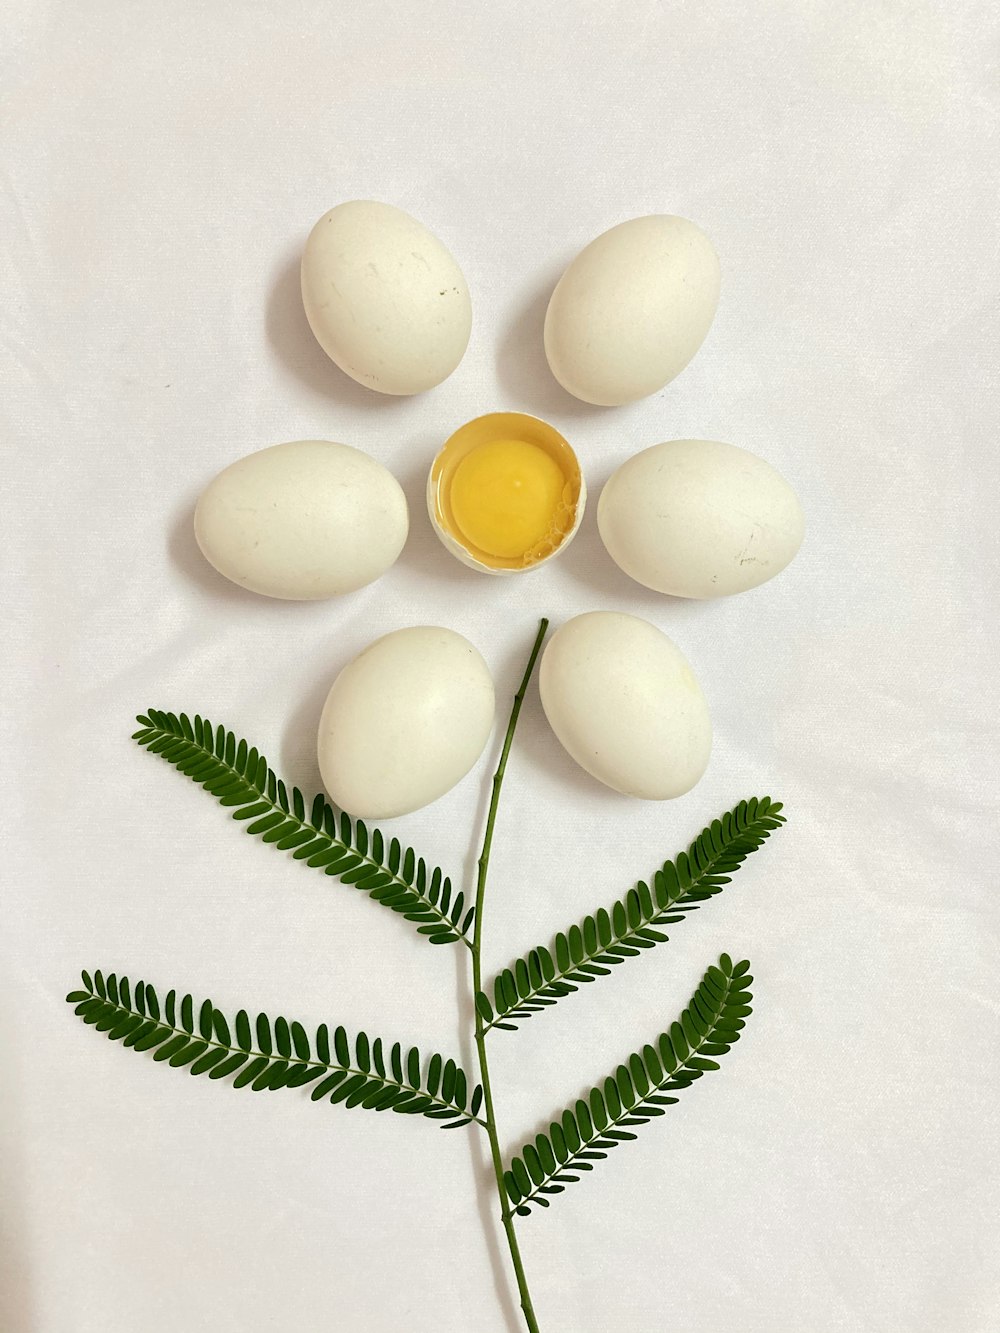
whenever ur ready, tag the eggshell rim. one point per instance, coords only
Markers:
(454, 546)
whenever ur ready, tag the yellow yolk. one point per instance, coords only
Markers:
(505, 496)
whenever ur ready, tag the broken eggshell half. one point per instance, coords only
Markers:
(506, 493)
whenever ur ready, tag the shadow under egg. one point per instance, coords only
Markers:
(522, 368)
(186, 557)
(298, 743)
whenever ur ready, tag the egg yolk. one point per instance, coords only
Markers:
(506, 496)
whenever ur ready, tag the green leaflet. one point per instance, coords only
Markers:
(638, 1091)
(263, 1055)
(607, 938)
(239, 776)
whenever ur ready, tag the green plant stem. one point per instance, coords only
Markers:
(506, 1212)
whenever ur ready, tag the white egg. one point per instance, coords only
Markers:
(303, 520)
(385, 299)
(632, 309)
(404, 722)
(697, 518)
(625, 704)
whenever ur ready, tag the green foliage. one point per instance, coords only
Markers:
(239, 776)
(602, 941)
(263, 1055)
(637, 1092)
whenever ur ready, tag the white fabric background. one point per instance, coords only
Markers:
(161, 166)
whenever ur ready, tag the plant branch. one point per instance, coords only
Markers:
(637, 1091)
(240, 778)
(356, 1074)
(506, 1214)
(610, 936)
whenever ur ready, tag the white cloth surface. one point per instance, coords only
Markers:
(160, 167)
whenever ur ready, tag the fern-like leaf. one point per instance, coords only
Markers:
(263, 1055)
(605, 939)
(638, 1091)
(240, 777)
